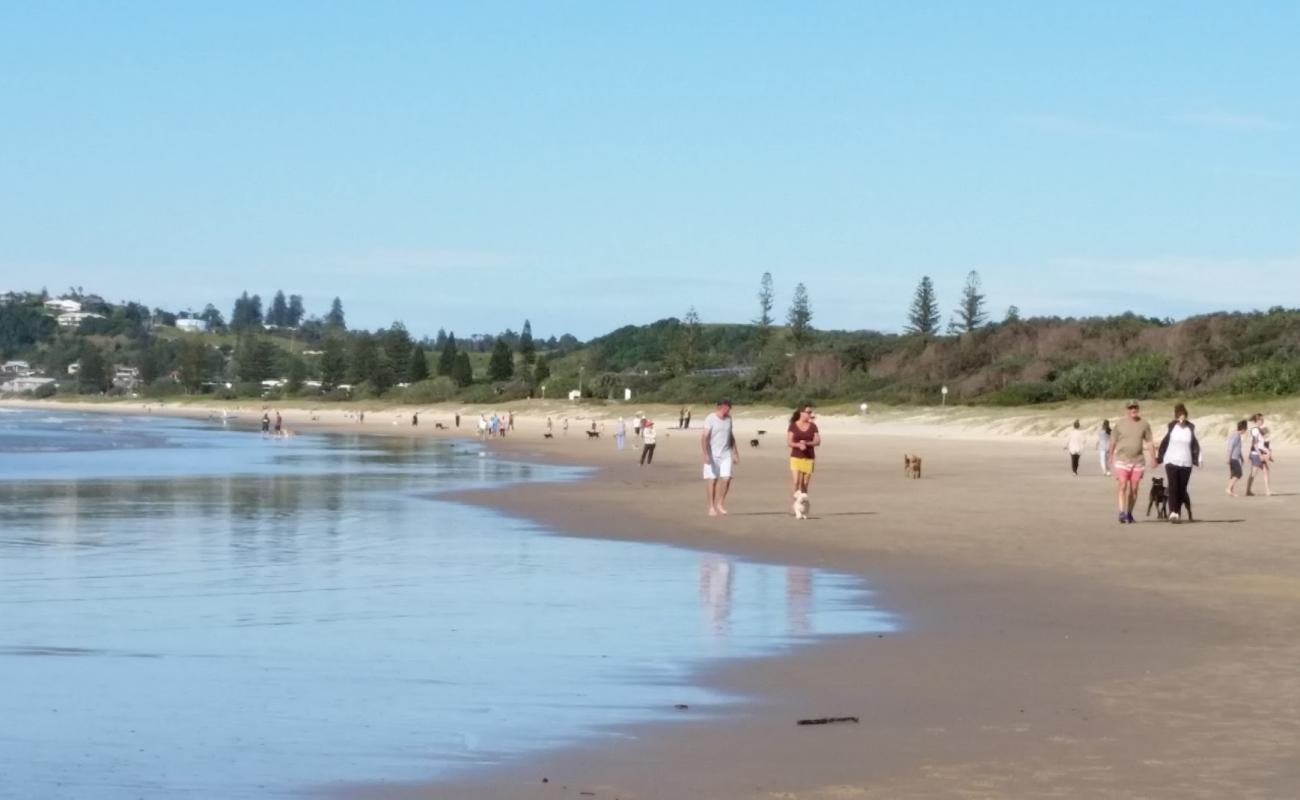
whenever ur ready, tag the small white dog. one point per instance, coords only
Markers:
(802, 505)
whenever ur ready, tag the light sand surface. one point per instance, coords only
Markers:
(1046, 650)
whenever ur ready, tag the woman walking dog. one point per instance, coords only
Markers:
(1179, 452)
(803, 438)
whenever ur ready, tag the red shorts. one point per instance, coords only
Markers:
(1129, 472)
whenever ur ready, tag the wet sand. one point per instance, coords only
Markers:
(1047, 651)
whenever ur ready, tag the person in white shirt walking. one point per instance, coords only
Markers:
(648, 442)
(1103, 446)
(1179, 452)
(1074, 446)
(720, 453)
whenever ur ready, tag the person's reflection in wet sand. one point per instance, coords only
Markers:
(715, 592)
(798, 600)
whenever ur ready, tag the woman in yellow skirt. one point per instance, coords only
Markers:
(803, 438)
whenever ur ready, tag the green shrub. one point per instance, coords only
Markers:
(435, 390)
(1142, 375)
(1277, 376)
(1022, 394)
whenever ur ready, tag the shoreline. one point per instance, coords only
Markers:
(1047, 651)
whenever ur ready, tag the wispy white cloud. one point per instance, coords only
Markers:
(1231, 121)
(1165, 285)
(1081, 127)
(396, 261)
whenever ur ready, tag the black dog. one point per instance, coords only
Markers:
(753, 443)
(1158, 499)
(548, 436)
(593, 434)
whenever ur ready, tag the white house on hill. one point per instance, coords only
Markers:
(73, 318)
(62, 306)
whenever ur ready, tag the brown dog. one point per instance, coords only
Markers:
(911, 466)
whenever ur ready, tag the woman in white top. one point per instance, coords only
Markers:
(1074, 446)
(1179, 451)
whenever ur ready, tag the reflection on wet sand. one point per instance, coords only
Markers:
(230, 617)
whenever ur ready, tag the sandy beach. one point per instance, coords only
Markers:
(1045, 650)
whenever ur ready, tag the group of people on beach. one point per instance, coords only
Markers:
(493, 427)
(1127, 447)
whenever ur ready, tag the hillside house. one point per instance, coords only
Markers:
(74, 318)
(62, 306)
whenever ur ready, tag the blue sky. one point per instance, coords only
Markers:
(588, 165)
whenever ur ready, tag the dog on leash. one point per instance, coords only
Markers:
(911, 466)
(1158, 498)
(802, 505)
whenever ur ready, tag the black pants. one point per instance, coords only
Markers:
(1178, 478)
(648, 454)
(1074, 463)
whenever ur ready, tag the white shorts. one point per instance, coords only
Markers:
(718, 468)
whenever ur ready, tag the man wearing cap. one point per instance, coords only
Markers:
(1131, 446)
(719, 446)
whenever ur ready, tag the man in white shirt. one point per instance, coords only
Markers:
(719, 447)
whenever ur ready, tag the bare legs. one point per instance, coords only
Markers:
(717, 494)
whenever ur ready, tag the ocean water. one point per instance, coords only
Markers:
(193, 611)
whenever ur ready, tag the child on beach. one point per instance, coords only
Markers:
(1103, 446)
(1234, 457)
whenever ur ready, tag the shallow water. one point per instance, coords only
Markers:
(188, 611)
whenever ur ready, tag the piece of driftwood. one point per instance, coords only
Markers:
(827, 720)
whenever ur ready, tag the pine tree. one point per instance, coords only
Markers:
(335, 318)
(213, 317)
(397, 346)
(254, 359)
(418, 369)
(383, 374)
(686, 343)
(462, 371)
(923, 318)
(970, 314)
(296, 374)
(527, 348)
(766, 298)
(1013, 314)
(441, 341)
(278, 315)
(541, 371)
(447, 356)
(362, 358)
(192, 364)
(501, 365)
(333, 363)
(800, 316)
(95, 375)
(296, 311)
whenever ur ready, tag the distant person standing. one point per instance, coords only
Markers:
(458, 419)
(720, 454)
(687, 423)
(1103, 447)
(648, 439)
(1131, 446)
(1074, 446)
(620, 433)
(266, 423)
(415, 419)
(1179, 451)
(565, 426)
(548, 425)
(510, 420)
(1236, 446)
(1260, 456)
(803, 438)
(279, 423)
(681, 418)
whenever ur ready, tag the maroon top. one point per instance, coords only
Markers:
(803, 436)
